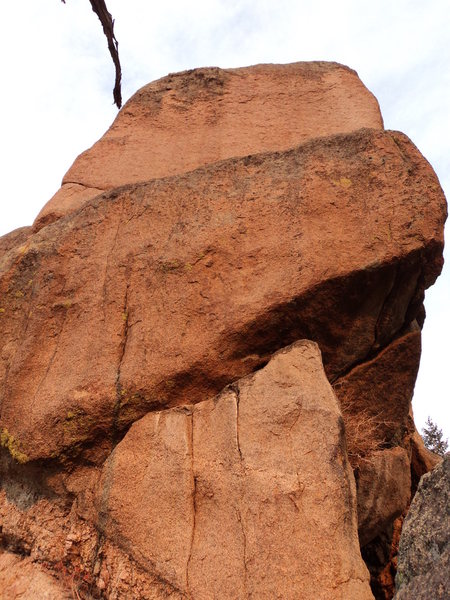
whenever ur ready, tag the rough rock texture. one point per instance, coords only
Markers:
(259, 476)
(244, 210)
(190, 119)
(21, 578)
(424, 553)
(14, 238)
(384, 484)
(169, 290)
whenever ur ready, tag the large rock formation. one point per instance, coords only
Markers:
(155, 444)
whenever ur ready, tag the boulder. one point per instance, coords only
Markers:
(248, 495)
(168, 290)
(163, 431)
(376, 396)
(424, 552)
(190, 119)
(13, 239)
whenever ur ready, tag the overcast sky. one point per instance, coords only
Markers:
(57, 80)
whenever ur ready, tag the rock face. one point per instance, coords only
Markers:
(255, 483)
(20, 578)
(424, 553)
(384, 482)
(190, 119)
(172, 289)
(156, 438)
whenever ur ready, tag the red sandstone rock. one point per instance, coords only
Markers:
(13, 239)
(167, 291)
(21, 578)
(141, 304)
(186, 120)
(376, 396)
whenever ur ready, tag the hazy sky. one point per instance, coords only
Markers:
(57, 80)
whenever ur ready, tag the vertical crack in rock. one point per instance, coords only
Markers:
(123, 346)
(236, 389)
(108, 260)
(194, 499)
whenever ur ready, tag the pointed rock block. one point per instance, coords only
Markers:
(187, 120)
(166, 291)
(248, 495)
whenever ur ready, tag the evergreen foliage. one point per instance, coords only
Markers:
(433, 439)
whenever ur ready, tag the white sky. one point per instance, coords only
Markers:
(57, 80)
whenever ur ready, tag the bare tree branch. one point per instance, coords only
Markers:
(99, 7)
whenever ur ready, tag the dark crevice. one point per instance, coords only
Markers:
(9, 542)
(327, 315)
(26, 484)
(97, 558)
(235, 387)
(379, 556)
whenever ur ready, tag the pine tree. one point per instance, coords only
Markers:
(432, 437)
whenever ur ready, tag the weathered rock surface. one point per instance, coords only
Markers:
(21, 578)
(258, 477)
(187, 120)
(169, 290)
(14, 238)
(424, 553)
(384, 486)
(137, 322)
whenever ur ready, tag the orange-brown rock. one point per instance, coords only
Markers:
(21, 578)
(169, 290)
(244, 210)
(221, 499)
(14, 238)
(190, 119)
(377, 395)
